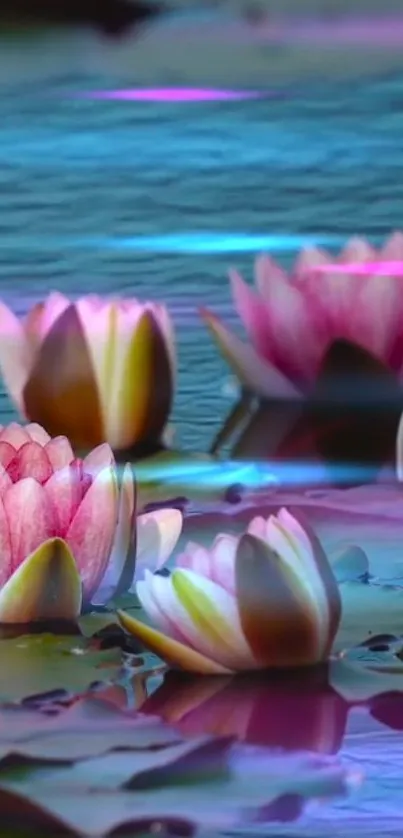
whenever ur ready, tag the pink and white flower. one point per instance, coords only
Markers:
(68, 527)
(94, 370)
(292, 320)
(266, 599)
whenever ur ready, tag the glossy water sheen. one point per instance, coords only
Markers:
(200, 185)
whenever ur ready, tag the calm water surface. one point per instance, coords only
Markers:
(158, 200)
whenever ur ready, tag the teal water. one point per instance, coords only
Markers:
(80, 179)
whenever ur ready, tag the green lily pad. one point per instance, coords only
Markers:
(40, 663)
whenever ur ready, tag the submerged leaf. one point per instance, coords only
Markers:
(86, 729)
(250, 781)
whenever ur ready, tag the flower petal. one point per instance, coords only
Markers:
(255, 374)
(15, 354)
(60, 452)
(30, 516)
(92, 530)
(279, 626)
(31, 460)
(98, 459)
(61, 392)
(325, 573)
(174, 653)
(64, 493)
(251, 310)
(143, 399)
(6, 556)
(42, 316)
(46, 586)
(119, 574)
(7, 454)
(15, 434)
(208, 618)
(37, 433)
(158, 533)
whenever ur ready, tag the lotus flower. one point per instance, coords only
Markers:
(293, 320)
(266, 599)
(94, 370)
(67, 529)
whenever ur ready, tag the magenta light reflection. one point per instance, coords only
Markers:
(176, 94)
(364, 268)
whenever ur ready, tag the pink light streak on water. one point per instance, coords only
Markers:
(176, 94)
(364, 269)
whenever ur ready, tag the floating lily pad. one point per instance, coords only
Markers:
(39, 663)
(204, 783)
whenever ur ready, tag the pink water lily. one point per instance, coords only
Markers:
(68, 527)
(94, 370)
(292, 320)
(265, 599)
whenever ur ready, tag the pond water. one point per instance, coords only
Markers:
(157, 197)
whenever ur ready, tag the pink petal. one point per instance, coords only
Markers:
(31, 460)
(99, 458)
(53, 307)
(30, 517)
(216, 563)
(376, 320)
(92, 530)
(296, 336)
(256, 374)
(5, 481)
(15, 434)
(252, 311)
(37, 433)
(357, 250)
(223, 554)
(7, 453)
(65, 494)
(392, 250)
(308, 261)
(6, 565)
(60, 452)
(196, 558)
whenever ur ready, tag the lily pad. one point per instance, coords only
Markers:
(193, 477)
(40, 663)
(237, 785)
(88, 728)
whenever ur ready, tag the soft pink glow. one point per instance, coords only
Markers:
(177, 94)
(364, 268)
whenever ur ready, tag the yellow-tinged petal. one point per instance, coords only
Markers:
(46, 586)
(212, 619)
(171, 651)
(61, 393)
(281, 629)
(255, 374)
(142, 398)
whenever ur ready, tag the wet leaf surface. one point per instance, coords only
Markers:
(41, 663)
(87, 728)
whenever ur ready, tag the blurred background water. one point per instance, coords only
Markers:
(159, 198)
